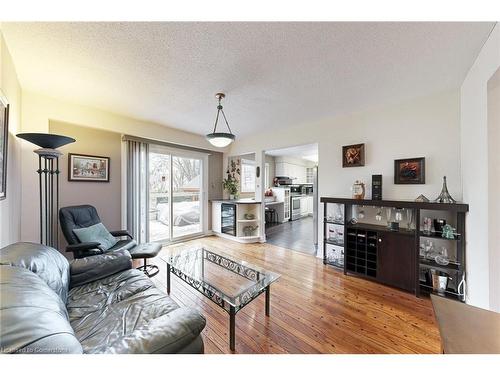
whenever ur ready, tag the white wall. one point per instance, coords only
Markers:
(10, 208)
(474, 150)
(38, 110)
(494, 188)
(427, 127)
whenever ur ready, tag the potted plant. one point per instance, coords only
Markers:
(231, 185)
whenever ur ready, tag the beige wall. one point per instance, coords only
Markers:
(10, 208)
(105, 196)
(38, 111)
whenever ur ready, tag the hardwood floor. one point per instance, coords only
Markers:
(314, 309)
(296, 235)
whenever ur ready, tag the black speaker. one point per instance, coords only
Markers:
(377, 187)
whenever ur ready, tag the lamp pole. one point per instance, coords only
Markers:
(48, 182)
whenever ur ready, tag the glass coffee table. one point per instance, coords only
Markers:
(228, 282)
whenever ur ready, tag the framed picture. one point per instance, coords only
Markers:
(353, 155)
(409, 171)
(88, 168)
(4, 140)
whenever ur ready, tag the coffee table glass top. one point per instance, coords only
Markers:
(222, 278)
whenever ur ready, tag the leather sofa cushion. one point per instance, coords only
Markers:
(95, 267)
(125, 312)
(46, 262)
(33, 318)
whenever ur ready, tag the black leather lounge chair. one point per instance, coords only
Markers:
(84, 216)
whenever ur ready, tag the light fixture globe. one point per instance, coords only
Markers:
(220, 139)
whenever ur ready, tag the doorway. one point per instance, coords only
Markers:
(291, 197)
(175, 194)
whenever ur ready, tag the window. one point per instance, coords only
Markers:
(247, 176)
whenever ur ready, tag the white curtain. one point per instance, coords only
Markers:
(137, 190)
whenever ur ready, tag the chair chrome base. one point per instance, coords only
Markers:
(149, 270)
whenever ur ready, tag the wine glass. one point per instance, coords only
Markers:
(409, 218)
(388, 212)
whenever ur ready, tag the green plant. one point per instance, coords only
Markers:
(231, 185)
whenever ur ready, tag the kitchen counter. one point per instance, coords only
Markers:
(235, 201)
(241, 223)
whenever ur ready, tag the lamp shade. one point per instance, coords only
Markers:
(45, 140)
(220, 139)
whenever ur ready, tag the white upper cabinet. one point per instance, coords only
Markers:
(298, 173)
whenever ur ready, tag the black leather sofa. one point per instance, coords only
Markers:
(97, 304)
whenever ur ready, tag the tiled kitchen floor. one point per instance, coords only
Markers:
(295, 235)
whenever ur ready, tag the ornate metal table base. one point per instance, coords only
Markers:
(216, 296)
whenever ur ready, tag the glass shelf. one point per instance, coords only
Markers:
(453, 265)
(335, 242)
(448, 293)
(437, 236)
(333, 222)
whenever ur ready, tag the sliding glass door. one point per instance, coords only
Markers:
(176, 199)
(186, 191)
(159, 195)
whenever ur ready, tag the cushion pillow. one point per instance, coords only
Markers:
(96, 233)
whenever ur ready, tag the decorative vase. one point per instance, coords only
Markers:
(231, 196)
(444, 197)
(358, 190)
(249, 230)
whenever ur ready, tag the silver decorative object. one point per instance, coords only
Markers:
(421, 198)
(444, 197)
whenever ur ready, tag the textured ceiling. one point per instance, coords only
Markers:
(275, 75)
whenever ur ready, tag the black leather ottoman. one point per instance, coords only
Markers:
(145, 251)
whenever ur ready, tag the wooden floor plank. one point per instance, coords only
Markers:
(314, 309)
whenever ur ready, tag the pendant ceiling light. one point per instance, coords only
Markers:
(219, 139)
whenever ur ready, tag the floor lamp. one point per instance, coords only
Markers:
(48, 178)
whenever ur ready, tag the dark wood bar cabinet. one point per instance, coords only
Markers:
(393, 257)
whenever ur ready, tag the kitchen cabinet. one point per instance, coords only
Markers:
(303, 206)
(396, 260)
(309, 205)
(297, 173)
(283, 195)
(231, 219)
(216, 217)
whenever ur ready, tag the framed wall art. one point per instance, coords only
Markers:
(4, 141)
(88, 168)
(409, 171)
(353, 155)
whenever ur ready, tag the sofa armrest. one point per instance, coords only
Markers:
(86, 270)
(121, 233)
(80, 250)
(166, 334)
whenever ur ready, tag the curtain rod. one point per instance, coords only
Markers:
(126, 137)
